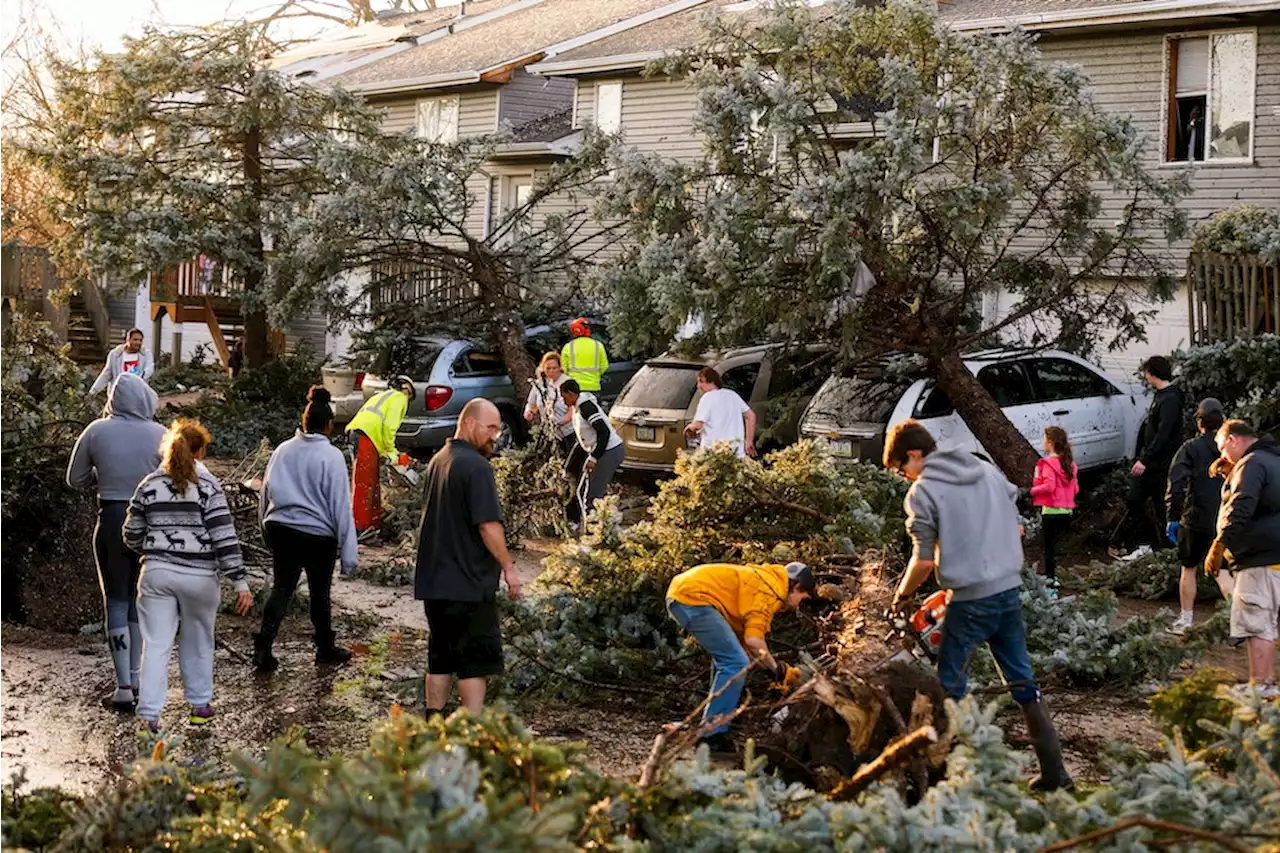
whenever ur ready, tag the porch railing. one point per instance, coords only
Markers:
(1231, 296)
(201, 276)
(29, 283)
(407, 282)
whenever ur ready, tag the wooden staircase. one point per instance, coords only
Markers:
(87, 347)
(198, 291)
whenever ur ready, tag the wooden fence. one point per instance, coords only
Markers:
(1230, 296)
(30, 285)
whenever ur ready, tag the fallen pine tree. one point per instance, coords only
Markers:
(486, 784)
(596, 628)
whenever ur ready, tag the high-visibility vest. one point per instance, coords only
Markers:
(380, 417)
(585, 361)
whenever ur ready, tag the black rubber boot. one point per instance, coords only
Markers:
(263, 660)
(327, 652)
(1053, 775)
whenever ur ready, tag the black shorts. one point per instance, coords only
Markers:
(465, 638)
(1193, 546)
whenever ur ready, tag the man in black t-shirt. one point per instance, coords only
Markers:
(462, 554)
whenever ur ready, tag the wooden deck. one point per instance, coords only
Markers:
(1231, 296)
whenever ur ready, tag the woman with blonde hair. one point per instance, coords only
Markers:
(179, 521)
(546, 404)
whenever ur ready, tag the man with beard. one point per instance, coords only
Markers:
(462, 554)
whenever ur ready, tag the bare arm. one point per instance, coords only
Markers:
(758, 648)
(749, 427)
(495, 539)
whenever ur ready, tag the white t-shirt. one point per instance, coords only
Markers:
(558, 408)
(131, 362)
(721, 411)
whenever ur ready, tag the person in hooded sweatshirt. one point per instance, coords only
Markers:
(119, 450)
(305, 510)
(179, 521)
(964, 526)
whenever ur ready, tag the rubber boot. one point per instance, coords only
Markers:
(1053, 775)
(263, 660)
(327, 652)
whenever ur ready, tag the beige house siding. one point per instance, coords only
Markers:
(477, 111)
(528, 97)
(1128, 75)
(657, 114)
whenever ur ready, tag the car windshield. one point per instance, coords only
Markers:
(661, 387)
(850, 399)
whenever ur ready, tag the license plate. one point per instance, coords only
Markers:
(646, 433)
(842, 446)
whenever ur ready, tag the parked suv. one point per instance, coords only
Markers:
(652, 411)
(449, 373)
(1102, 415)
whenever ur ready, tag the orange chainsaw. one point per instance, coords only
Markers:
(923, 628)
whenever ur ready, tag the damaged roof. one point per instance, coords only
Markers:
(487, 45)
(639, 45)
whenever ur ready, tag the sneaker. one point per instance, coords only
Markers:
(201, 716)
(1136, 554)
(1179, 627)
(124, 700)
(1267, 689)
(150, 727)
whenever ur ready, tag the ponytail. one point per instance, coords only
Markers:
(318, 414)
(1057, 438)
(178, 451)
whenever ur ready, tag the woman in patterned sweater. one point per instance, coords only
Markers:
(179, 521)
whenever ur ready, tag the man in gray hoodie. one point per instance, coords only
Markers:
(120, 448)
(965, 528)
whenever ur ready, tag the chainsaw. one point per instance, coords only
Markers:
(920, 632)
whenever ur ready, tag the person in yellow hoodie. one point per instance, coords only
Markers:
(373, 436)
(729, 609)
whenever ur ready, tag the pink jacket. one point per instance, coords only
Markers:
(1051, 487)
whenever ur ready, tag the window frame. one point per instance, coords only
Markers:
(600, 86)
(1169, 98)
(438, 99)
(1018, 365)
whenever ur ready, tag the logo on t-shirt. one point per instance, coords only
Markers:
(132, 365)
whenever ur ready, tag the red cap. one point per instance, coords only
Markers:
(580, 328)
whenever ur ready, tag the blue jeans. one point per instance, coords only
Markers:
(728, 656)
(997, 621)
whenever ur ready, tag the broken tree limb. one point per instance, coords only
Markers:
(651, 765)
(1148, 823)
(919, 768)
(895, 755)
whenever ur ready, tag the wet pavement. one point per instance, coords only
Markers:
(55, 720)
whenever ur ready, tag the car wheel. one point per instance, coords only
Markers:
(512, 434)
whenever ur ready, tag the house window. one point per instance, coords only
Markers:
(1210, 97)
(516, 191)
(437, 119)
(609, 107)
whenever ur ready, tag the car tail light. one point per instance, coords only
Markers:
(359, 382)
(437, 396)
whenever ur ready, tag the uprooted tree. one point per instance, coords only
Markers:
(184, 144)
(868, 176)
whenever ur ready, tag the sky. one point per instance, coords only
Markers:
(103, 23)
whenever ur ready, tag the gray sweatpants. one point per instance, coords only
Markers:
(166, 597)
(606, 468)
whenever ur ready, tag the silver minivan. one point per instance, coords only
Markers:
(450, 372)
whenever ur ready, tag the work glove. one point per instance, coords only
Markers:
(1171, 531)
(785, 678)
(1213, 562)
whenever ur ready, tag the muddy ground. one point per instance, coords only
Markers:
(56, 724)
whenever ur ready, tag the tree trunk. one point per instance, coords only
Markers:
(1001, 440)
(256, 332)
(507, 329)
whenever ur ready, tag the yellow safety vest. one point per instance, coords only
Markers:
(379, 418)
(585, 361)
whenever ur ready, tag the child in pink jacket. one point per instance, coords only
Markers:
(1054, 491)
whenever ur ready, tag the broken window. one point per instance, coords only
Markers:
(1210, 99)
